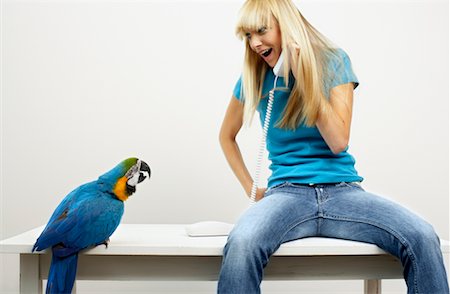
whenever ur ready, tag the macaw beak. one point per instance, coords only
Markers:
(144, 169)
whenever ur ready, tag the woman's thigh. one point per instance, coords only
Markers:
(352, 213)
(272, 219)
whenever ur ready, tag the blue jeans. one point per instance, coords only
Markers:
(344, 211)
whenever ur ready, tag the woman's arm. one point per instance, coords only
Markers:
(336, 114)
(231, 125)
(335, 117)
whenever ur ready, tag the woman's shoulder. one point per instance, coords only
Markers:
(337, 57)
(339, 69)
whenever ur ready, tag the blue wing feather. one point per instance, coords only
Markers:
(86, 217)
(59, 223)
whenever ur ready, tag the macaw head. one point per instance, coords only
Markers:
(123, 179)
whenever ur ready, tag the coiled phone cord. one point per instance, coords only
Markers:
(262, 146)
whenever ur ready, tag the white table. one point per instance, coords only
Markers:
(165, 253)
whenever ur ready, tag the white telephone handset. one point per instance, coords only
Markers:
(278, 66)
(277, 70)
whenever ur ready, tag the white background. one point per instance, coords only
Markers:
(86, 84)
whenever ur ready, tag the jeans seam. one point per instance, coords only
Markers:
(399, 237)
(313, 216)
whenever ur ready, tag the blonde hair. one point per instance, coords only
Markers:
(307, 94)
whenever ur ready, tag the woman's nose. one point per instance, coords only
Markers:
(255, 42)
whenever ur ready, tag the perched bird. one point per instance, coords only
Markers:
(87, 217)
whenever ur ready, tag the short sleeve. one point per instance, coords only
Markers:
(237, 92)
(341, 71)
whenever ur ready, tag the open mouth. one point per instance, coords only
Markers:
(267, 52)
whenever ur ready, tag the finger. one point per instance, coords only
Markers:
(295, 45)
(294, 48)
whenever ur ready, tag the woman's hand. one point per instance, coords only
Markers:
(260, 193)
(293, 53)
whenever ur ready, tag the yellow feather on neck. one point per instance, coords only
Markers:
(120, 189)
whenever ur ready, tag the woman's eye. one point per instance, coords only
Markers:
(248, 35)
(262, 30)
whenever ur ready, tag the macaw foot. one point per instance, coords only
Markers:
(106, 243)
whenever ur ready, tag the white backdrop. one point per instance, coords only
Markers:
(86, 84)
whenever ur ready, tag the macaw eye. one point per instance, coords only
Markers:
(133, 170)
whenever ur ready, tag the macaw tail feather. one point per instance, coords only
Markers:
(61, 276)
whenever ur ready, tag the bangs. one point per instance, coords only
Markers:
(252, 16)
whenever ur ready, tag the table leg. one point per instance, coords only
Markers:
(30, 280)
(372, 287)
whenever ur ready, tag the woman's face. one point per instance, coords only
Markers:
(266, 42)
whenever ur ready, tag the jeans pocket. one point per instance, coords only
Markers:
(272, 189)
(353, 185)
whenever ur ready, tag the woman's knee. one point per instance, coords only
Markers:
(425, 235)
(421, 237)
(246, 241)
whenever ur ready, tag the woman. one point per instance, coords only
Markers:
(314, 188)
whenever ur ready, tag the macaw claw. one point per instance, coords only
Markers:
(106, 243)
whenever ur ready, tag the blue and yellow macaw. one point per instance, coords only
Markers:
(87, 217)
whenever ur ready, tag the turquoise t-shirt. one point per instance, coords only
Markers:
(302, 156)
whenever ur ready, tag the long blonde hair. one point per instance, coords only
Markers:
(307, 94)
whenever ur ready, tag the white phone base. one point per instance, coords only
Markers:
(208, 229)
